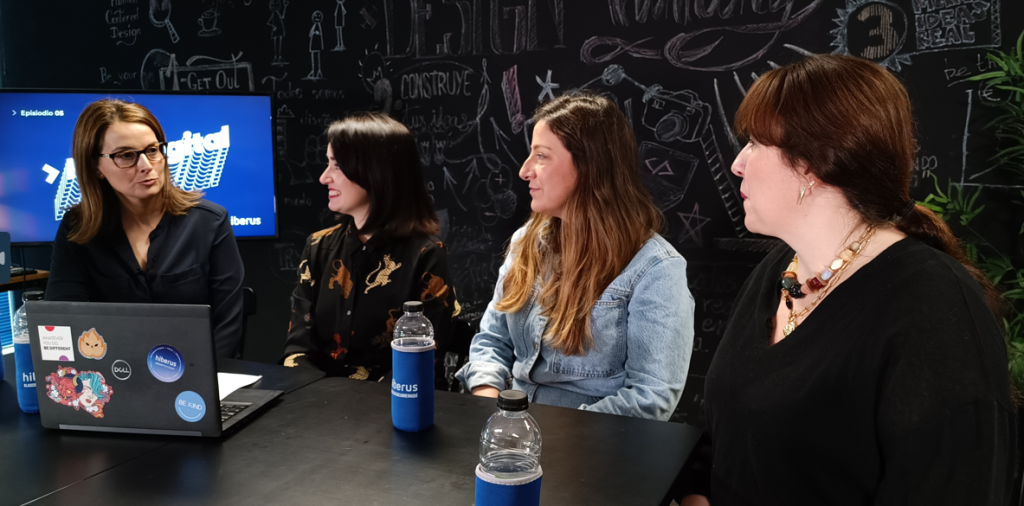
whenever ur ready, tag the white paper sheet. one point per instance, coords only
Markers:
(228, 382)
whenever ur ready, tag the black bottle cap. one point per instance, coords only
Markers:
(413, 306)
(33, 295)
(513, 400)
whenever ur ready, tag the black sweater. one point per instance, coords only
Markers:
(894, 390)
(192, 259)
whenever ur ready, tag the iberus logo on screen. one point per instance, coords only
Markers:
(196, 162)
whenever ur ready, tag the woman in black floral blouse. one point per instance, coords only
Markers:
(354, 277)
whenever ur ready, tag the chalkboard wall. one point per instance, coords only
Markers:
(466, 75)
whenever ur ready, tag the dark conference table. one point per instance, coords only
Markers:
(330, 441)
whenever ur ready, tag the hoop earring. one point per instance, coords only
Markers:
(803, 191)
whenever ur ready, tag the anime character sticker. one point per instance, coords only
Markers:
(86, 390)
(91, 345)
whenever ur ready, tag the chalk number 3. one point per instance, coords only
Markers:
(890, 37)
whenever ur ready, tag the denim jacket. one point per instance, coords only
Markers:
(642, 326)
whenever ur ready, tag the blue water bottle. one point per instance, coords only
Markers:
(24, 374)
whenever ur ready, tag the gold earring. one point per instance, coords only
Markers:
(803, 191)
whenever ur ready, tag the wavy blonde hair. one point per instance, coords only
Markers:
(608, 217)
(87, 217)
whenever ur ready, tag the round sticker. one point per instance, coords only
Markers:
(166, 363)
(190, 406)
(121, 370)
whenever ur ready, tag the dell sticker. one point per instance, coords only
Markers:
(121, 370)
(56, 343)
(165, 363)
(190, 406)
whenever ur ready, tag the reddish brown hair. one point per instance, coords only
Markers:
(608, 217)
(849, 121)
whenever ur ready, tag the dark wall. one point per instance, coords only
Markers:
(465, 76)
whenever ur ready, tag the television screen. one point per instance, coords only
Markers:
(221, 145)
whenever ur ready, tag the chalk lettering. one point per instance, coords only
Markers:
(941, 23)
(118, 16)
(435, 84)
(132, 33)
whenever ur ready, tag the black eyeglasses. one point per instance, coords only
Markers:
(130, 157)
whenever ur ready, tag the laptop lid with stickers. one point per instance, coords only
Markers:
(134, 368)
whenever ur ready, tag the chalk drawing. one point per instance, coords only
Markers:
(546, 87)
(513, 104)
(373, 73)
(316, 45)
(693, 222)
(743, 37)
(666, 173)
(339, 23)
(890, 32)
(226, 75)
(162, 9)
(276, 24)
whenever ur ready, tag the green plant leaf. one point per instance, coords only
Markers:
(988, 75)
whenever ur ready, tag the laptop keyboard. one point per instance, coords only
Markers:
(230, 409)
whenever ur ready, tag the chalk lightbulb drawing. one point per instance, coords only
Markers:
(196, 162)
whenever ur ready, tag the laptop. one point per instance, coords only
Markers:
(132, 368)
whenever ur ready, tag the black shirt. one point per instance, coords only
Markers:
(192, 259)
(350, 295)
(894, 390)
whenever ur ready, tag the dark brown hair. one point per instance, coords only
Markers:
(100, 205)
(608, 217)
(849, 121)
(379, 154)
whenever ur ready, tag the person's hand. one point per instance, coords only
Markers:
(486, 391)
(695, 500)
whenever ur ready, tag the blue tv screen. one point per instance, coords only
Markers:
(221, 145)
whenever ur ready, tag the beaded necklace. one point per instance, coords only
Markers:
(822, 282)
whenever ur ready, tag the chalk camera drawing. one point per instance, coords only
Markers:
(675, 115)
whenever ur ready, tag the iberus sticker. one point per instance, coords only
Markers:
(86, 390)
(165, 363)
(190, 406)
(56, 343)
(91, 345)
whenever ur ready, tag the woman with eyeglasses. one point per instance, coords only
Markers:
(135, 237)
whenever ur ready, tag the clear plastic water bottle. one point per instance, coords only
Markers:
(24, 374)
(413, 323)
(510, 442)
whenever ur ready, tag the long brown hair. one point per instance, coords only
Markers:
(99, 203)
(850, 122)
(607, 219)
(379, 154)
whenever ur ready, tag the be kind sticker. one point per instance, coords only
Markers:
(165, 363)
(190, 406)
(56, 343)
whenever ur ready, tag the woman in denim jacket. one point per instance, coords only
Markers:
(591, 309)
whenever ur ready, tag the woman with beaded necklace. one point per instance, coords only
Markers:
(862, 363)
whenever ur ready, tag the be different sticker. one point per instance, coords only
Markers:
(56, 343)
